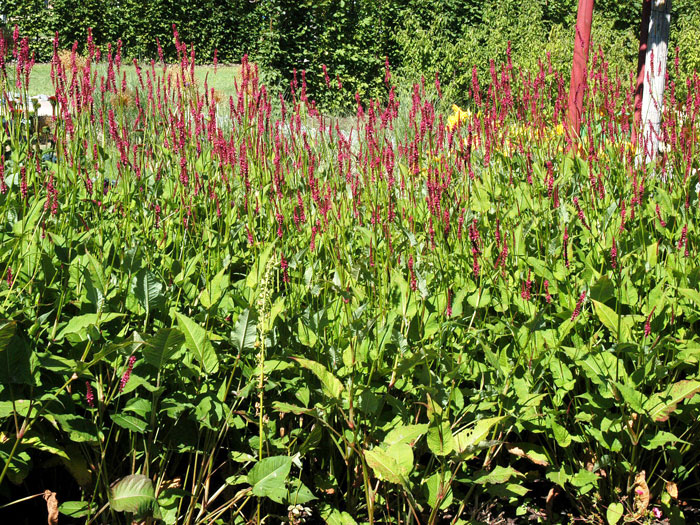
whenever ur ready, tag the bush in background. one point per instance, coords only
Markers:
(353, 39)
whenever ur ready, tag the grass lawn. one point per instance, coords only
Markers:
(221, 80)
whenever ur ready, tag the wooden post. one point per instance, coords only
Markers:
(582, 41)
(655, 75)
(641, 59)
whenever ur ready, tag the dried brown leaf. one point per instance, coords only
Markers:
(550, 502)
(641, 493)
(51, 506)
(672, 489)
(174, 483)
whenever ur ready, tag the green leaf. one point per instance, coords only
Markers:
(633, 398)
(498, 475)
(335, 517)
(439, 490)
(610, 319)
(405, 434)
(440, 439)
(197, 342)
(660, 439)
(45, 442)
(148, 289)
(161, 347)
(693, 295)
(7, 331)
(393, 464)
(561, 435)
(469, 438)
(298, 493)
(133, 494)
(245, 333)
(661, 405)
(76, 509)
(614, 513)
(130, 423)
(79, 324)
(17, 361)
(268, 477)
(331, 384)
(77, 427)
(215, 289)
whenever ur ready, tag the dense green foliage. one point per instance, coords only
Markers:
(353, 38)
(234, 312)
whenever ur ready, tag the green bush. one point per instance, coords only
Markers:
(353, 39)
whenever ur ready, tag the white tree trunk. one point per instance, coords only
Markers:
(655, 76)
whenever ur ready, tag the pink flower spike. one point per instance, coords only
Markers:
(579, 303)
(89, 395)
(127, 374)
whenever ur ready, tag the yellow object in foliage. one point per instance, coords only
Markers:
(458, 116)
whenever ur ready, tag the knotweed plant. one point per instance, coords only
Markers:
(409, 318)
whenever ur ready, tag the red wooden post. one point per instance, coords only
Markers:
(641, 59)
(582, 41)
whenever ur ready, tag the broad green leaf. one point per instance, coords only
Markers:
(133, 494)
(614, 513)
(148, 289)
(94, 281)
(160, 348)
(498, 475)
(256, 272)
(440, 439)
(405, 434)
(245, 333)
(661, 438)
(560, 477)
(76, 509)
(240, 457)
(132, 423)
(79, 324)
(335, 517)
(693, 295)
(439, 490)
(197, 342)
(583, 478)
(306, 335)
(21, 406)
(633, 398)
(214, 289)
(609, 318)
(268, 477)
(7, 331)
(561, 435)
(469, 438)
(17, 361)
(77, 427)
(392, 465)
(661, 405)
(45, 442)
(331, 384)
(298, 493)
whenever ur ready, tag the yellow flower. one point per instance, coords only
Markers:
(458, 116)
(560, 129)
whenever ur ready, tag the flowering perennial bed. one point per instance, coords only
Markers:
(229, 311)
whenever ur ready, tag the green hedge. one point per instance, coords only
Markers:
(353, 38)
